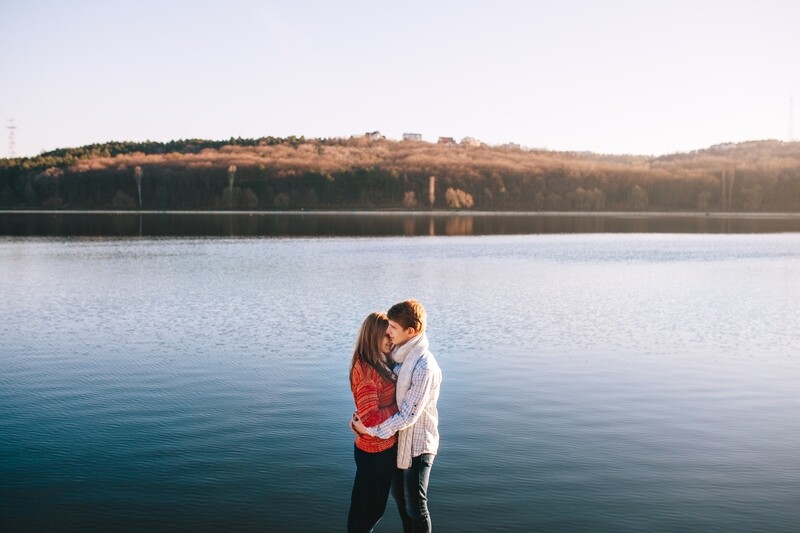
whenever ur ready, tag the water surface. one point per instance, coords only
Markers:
(338, 223)
(592, 382)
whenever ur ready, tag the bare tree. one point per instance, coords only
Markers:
(137, 175)
(728, 177)
(637, 198)
(231, 176)
(410, 199)
(703, 201)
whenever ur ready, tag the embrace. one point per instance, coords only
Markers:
(395, 382)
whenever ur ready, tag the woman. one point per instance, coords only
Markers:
(373, 386)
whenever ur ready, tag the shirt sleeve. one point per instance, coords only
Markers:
(415, 401)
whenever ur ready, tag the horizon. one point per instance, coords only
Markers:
(431, 142)
(616, 78)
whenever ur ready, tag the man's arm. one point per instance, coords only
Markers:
(414, 403)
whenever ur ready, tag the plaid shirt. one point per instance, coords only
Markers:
(418, 410)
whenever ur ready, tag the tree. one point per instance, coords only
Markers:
(193, 174)
(137, 175)
(231, 175)
(587, 200)
(752, 197)
(282, 200)
(637, 198)
(123, 201)
(538, 201)
(457, 199)
(555, 202)
(409, 199)
(703, 201)
(597, 199)
(728, 177)
(249, 198)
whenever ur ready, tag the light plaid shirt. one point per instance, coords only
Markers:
(418, 412)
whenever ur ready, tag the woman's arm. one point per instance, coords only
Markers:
(367, 399)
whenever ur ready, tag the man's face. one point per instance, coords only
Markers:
(398, 334)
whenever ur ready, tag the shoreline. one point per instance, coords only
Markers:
(437, 213)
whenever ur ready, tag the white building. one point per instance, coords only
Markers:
(511, 146)
(412, 136)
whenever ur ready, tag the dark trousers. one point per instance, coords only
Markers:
(410, 490)
(374, 473)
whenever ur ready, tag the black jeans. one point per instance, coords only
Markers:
(410, 490)
(374, 473)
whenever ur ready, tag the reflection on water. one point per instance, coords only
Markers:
(598, 383)
(378, 224)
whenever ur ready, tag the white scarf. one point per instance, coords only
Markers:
(408, 355)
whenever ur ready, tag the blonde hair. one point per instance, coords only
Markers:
(409, 314)
(368, 345)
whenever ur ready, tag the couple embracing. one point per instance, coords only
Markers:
(395, 382)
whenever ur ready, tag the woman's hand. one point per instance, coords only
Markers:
(356, 425)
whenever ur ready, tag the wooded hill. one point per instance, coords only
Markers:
(296, 173)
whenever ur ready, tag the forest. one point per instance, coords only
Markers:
(294, 173)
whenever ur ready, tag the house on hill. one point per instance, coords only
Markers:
(446, 140)
(374, 136)
(470, 141)
(412, 136)
(511, 146)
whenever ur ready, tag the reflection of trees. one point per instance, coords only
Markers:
(459, 225)
(410, 226)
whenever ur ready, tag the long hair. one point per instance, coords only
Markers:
(367, 349)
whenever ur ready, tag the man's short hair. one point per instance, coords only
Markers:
(409, 314)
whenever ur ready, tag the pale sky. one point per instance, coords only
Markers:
(627, 76)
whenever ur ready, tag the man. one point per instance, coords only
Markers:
(418, 381)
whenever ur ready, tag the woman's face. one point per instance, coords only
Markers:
(386, 344)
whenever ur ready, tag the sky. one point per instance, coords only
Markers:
(618, 77)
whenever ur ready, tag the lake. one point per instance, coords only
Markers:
(594, 381)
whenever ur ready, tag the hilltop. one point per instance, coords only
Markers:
(358, 173)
